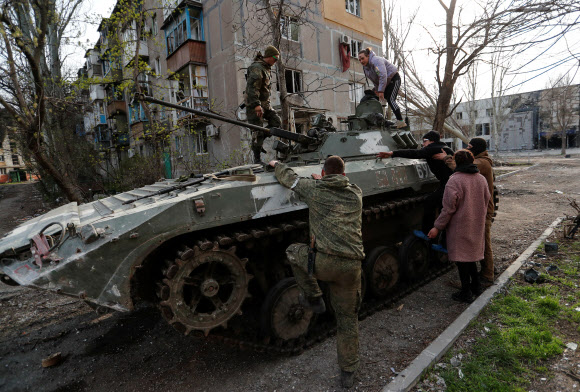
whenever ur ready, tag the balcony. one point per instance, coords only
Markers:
(115, 108)
(97, 91)
(197, 103)
(189, 52)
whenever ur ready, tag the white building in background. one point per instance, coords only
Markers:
(530, 120)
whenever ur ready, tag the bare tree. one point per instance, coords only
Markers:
(471, 96)
(494, 23)
(561, 102)
(500, 65)
(31, 74)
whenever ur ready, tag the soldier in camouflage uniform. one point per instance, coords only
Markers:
(335, 210)
(258, 106)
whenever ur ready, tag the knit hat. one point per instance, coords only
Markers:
(271, 51)
(478, 145)
(432, 135)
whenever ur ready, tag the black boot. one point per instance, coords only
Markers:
(465, 294)
(474, 275)
(257, 158)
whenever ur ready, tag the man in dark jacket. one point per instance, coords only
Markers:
(431, 146)
(258, 106)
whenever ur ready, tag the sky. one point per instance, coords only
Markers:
(533, 69)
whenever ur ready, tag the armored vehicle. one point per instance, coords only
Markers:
(210, 251)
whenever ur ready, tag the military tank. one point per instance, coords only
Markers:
(210, 251)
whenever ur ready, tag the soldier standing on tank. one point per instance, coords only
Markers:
(335, 218)
(258, 106)
(431, 146)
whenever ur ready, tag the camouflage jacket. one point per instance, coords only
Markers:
(335, 211)
(258, 84)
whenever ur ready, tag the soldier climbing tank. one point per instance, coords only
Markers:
(210, 252)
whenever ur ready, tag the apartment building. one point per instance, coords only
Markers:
(11, 163)
(531, 120)
(197, 55)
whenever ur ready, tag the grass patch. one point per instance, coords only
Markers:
(525, 330)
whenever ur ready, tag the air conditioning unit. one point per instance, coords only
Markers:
(345, 39)
(212, 131)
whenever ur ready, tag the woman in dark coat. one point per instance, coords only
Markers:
(463, 217)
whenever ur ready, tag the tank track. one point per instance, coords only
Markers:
(321, 330)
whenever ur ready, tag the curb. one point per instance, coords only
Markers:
(515, 171)
(407, 379)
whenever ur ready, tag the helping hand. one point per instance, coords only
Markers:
(259, 111)
(433, 233)
(316, 176)
(273, 163)
(440, 156)
(388, 154)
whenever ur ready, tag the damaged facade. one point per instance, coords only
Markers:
(197, 54)
(532, 120)
(12, 167)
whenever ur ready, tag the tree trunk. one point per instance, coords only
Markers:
(63, 181)
(564, 141)
(443, 103)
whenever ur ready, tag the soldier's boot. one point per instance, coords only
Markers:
(401, 124)
(347, 379)
(315, 304)
(257, 158)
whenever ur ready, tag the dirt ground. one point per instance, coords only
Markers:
(140, 352)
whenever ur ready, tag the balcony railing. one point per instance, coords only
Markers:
(189, 52)
(197, 103)
(116, 107)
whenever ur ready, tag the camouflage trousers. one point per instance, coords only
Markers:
(343, 277)
(258, 137)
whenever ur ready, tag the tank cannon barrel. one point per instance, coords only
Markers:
(296, 137)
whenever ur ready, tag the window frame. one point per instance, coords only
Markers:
(353, 89)
(355, 9)
(355, 47)
(181, 30)
(294, 72)
(200, 139)
(288, 33)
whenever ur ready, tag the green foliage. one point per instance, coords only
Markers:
(519, 339)
(133, 173)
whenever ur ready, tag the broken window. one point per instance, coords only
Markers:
(200, 138)
(293, 81)
(486, 129)
(355, 47)
(459, 115)
(353, 7)
(289, 28)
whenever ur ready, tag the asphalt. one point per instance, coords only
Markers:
(407, 379)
